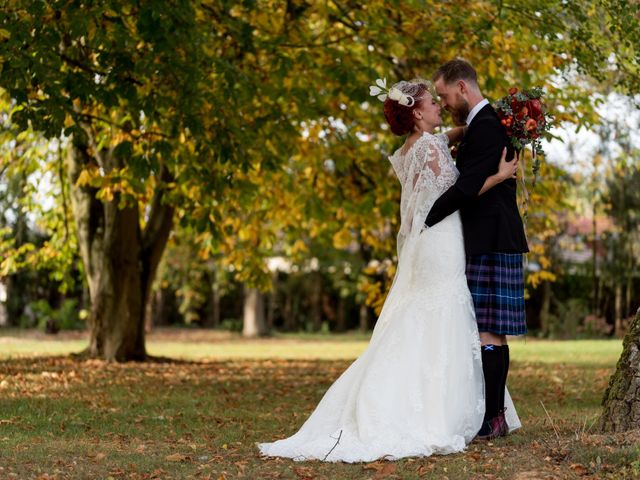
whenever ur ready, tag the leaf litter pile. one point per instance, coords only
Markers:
(62, 418)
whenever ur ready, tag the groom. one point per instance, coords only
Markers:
(493, 232)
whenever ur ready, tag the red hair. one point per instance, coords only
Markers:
(400, 117)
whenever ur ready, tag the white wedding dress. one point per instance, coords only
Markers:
(418, 388)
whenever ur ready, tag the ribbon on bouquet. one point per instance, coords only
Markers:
(524, 205)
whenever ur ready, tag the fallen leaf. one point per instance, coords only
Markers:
(304, 473)
(375, 466)
(424, 469)
(177, 457)
(388, 469)
(579, 469)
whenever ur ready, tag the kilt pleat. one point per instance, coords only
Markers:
(496, 282)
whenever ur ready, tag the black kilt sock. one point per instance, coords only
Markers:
(505, 364)
(493, 369)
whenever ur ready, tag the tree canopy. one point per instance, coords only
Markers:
(249, 123)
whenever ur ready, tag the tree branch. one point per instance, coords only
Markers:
(80, 65)
(62, 190)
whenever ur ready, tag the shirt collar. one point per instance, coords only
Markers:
(476, 109)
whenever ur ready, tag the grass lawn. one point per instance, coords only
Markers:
(200, 418)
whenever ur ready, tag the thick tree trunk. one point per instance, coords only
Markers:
(254, 324)
(120, 260)
(117, 297)
(622, 399)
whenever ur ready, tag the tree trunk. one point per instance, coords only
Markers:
(253, 319)
(4, 319)
(272, 305)
(120, 260)
(214, 318)
(618, 310)
(287, 314)
(341, 316)
(544, 309)
(629, 293)
(151, 311)
(316, 302)
(622, 399)
(364, 318)
(594, 266)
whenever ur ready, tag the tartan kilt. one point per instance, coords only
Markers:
(496, 282)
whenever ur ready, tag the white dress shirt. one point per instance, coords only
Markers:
(476, 109)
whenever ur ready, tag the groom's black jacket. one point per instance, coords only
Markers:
(490, 222)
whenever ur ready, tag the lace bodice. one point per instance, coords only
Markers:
(425, 172)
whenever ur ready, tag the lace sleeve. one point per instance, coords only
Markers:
(430, 172)
(398, 167)
(443, 138)
(432, 167)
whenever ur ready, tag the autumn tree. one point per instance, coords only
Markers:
(153, 102)
(250, 122)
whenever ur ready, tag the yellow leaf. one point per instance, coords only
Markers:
(342, 239)
(84, 178)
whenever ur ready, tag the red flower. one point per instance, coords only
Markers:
(535, 108)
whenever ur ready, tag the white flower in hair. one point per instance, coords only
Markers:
(380, 91)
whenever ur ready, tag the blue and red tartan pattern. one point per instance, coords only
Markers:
(496, 282)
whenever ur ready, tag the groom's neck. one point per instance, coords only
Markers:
(474, 97)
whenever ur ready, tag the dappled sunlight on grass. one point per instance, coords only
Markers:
(91, 419)
(579, 352)
(192, 344)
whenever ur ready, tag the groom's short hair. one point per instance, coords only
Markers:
(455, 70)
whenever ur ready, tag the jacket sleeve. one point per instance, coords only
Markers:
(486, 142)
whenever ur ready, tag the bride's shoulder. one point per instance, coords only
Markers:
(427, 140)
(418, 144)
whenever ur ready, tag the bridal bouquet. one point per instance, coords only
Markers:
(525, 118)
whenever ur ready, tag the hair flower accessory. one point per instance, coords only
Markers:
(380, 91)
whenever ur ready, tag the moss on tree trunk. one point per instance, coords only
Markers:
(622, 399)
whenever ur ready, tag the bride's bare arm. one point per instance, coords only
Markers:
(455, 134)
(506, 170)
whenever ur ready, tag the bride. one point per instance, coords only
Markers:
(417, 389)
